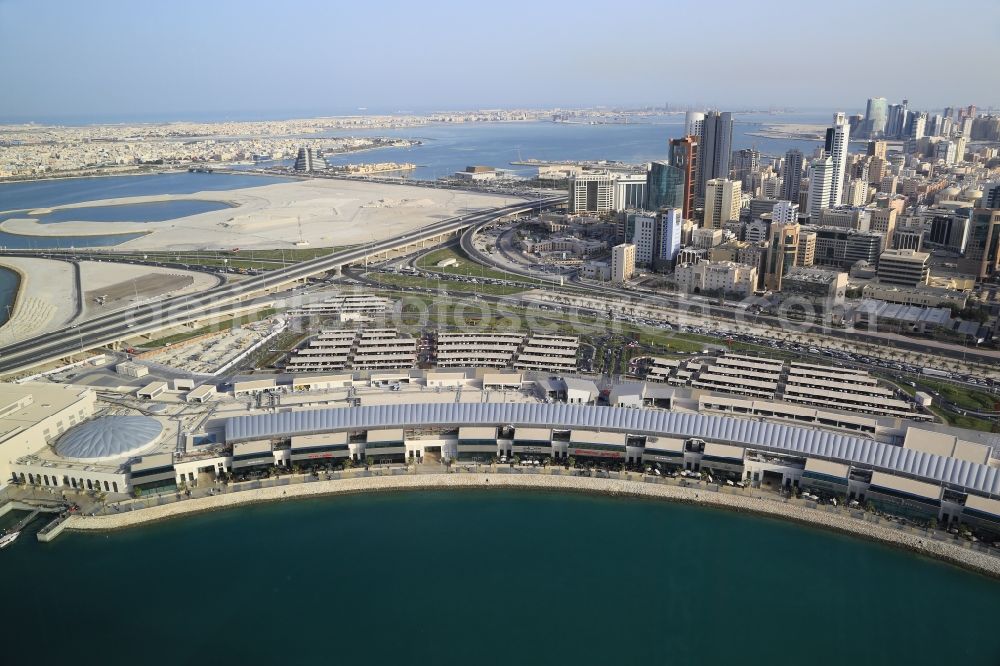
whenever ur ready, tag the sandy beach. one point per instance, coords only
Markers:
(947, 551)
(319, 212)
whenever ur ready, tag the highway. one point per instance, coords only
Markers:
(152, 317)
(682, 303)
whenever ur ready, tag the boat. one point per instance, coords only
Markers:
(8, 539)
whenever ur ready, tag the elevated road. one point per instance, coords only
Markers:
(150, 318)
(681, 303)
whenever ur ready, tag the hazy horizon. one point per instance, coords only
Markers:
(112, 61)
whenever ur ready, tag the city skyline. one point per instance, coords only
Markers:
(186, 61)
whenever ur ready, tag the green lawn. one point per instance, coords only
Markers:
(245, 259)
(447, 285)
(959, 421)
(979, 401)
(466, 266)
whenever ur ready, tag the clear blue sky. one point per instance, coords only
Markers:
(110, 59)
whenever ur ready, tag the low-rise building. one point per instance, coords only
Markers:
(131, 369)
(151, 390)
(716, 277)
(489, 350)
(907, 268)
(820, 287)
(920, 295)
(550, 353)
(32, 415)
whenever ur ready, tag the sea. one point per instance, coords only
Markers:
(488, 577)
(459, 577)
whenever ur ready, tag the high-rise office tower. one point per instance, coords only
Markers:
(791, 175)
(664, 186)
(591, 193)
(715, 149)
(622, 262)
(630, 191)
(820, 186)
(982, 253)
(785, 212)
(694, 123)
(877, 149)
(722, 202)
(876, 113)
(645, 237)
(670, 222)
(837, 138)
(936, 125)
(918, 126)
(782, 251)
(991, 195)
(855, 123)
(896, 120)
(745, 162)
(684, 158)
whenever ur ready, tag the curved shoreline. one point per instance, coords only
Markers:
(944, 551)
(19, 288)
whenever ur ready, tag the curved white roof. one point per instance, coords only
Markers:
(808, 442)
(109, 437)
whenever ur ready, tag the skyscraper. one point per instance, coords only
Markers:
(982, 253)
(622, 262)
(671, 220)
(991, 195)
(792, 175)
(630, 191)
(694, 123)
(591, 193)
(782, 250)
(837, 139)
(877, 149)
(896, 120)
(722, 202)
(684, 157)
(745, 162)
(820, 185)
(644, 237)
(919, 126)
(876, 113)
(664, 186)
(785, 212)
(714, 150)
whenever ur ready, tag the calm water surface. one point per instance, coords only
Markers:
(498, 577)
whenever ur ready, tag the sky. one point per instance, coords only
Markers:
(114, 60)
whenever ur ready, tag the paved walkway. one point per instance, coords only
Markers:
(938, 545)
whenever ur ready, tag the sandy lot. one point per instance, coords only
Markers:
(208, 355)
(118, 285)
(49, 296)
(323, 213)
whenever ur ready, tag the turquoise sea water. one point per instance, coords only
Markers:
(499, 577)
(153, 211)
(63, 191)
